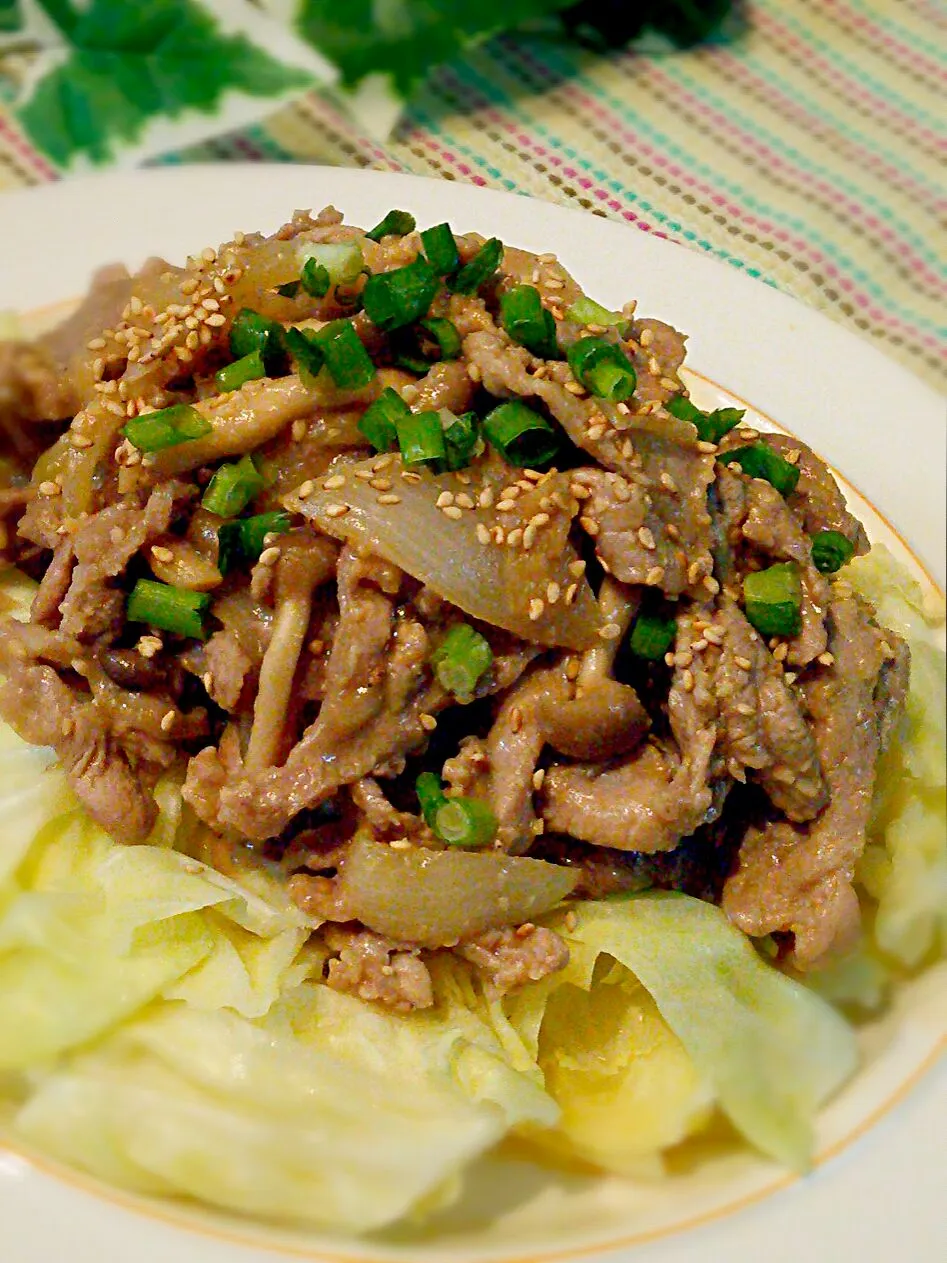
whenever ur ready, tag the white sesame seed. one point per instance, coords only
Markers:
(743, 663)
(539, 519)
(444, 499)
(827, 659)
(711, 584)
(216, 320)
(410, 475)
(536, 607)
(389, 497)
(595, 432)
(589, 525)
(485, 499)
(538, 777)
(337, 510)
(167, 722)
(380, 484)
(571, 592)
(465, 501)
(646, 538)
(572, 669)
(452, 511)
(505, 506)
(80, 440)
(483, 535)
(610, 631)
(552, 592)
(428, 722)
(529, 537)
(704, 446)
(577, 568)
(305, 489)
(654, 576)
(162, 554)
(514, 536)
(299, 431)
(49, 488)
(687, 681)
(269, 556)
(334, 482)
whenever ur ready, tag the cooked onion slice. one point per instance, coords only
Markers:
(437, 898)
(425, 524)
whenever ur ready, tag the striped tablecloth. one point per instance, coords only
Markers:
(809, 152)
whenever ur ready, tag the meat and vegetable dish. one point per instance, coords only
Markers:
(390, 575)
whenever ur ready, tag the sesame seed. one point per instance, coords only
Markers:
(305, 489)
(80, 440)
(410, 475)
(646, 538)
(694, 571)
(538, 777)
(210, 304)
(474, 373)
(743, 663)
(485, 499)
(574, 388)
(97, 344)
(589, 525)
(714, 635)
(668, 383)
(483, 535)
(529, 538)
(216, 320)
(382, 462)
(428, 722)
(444, 499)
(747, 432)
(552, 592)
(465, 501)
(704, 446)
(514, 537)
(580, 492)
(572, 668)
(711, 584)
(577, 568)
(209, 254)
(49, 488)
(162, 554)
(687, 681)
(505, 506)
(539, 519)
(299, 431)
(552, 282)
(570, 595)
(700, 645)
(827, 659)
(684, 658)
(595, 432)
(790, 677)
(188, 286)
(184, 354)
(780, 652)
(269, 557)
(792, 456)
(337, 510)
(516, 719)
(333, 483)
(499, 535)
(536, 607)
(647, 337)
(167, 722)
(452, 511)
(380, 484)
(148, 646)
(610, 631)
(654, 576)
(389, 498)
(400, 844)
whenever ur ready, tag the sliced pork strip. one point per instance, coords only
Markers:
(798, 879)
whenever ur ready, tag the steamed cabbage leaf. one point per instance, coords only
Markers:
(771, 1050)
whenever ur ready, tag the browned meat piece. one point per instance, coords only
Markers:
(511, 958)
(513, 747)
(384, 818)
(45, 711)
(103, 546)
(653, 526)
(818, 500)
(53, 586)
(657, 353)
(798, 879)
(466, 772)
(447, 385)
(33, 388)
(762, 727)
(226, 668)
(374, 968)
(378, 688)
(128, 669)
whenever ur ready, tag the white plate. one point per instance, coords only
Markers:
(877, 1192)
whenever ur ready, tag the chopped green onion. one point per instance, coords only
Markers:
(170, 609)
(407, 356)
(521, 435)
(155, 431)
(307, 356)
(379, 421)
(480, 269)
(400, 297)
(431, 796)
(420, 438)
(397, 223)
(441, 249)
(315, 278)
(349, 364)
(242, 541)
(831, 550)
(759, 461)
(711, 426)
(461, 659)
(289, 290)
(528, 322)
(772, 599)
(652, 636)
(252, 332)
(602, 368)
(467, 822)
(233, 487)
(343, 260)
(462, 441)
(443, 340)
(585, 311)
(237, 374)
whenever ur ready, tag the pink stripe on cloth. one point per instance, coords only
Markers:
(849, 19)
(23, 149)
(849, 87)
(804, 180)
